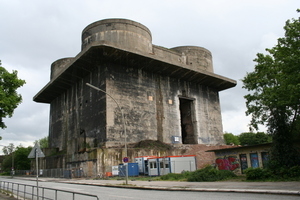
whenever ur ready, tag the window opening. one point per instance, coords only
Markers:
(244, 163)
(152, 165)
(254, 160)
(161, 164)
(265, 158)
(187, 126)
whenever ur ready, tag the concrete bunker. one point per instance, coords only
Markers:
(118, 56)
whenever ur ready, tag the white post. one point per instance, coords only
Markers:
(37, 173)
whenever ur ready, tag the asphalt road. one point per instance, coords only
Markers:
(116, 193)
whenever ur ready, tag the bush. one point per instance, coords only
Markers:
(292, 173)
(5, 174)
(257, 174)
(279, 174)
(210, 174)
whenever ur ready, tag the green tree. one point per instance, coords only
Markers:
(247, 138)
(8, 149)
(250, 138)
(9, 98)
(274, 98)
(262, 137)
(231, 139)
(17, 159)
(43, 142)
(21, 160)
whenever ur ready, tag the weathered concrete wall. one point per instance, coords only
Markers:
(78, 117)
(158, 104)
(123, 33)
(198, 58)
(83, 117)
(151, 107)
(58, 66)
(133, 36)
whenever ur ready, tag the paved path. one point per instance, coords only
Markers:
(287, 188)
(292, 188)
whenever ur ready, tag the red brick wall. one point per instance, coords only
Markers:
(204, 158)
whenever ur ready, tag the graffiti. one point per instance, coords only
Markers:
(227, 163)
(226, 153)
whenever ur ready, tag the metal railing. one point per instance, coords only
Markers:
(54, 173)
(23, 191)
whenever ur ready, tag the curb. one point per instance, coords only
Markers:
(278, 192)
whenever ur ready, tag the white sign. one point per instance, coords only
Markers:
(36, 152)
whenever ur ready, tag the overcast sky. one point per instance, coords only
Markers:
(35, 33)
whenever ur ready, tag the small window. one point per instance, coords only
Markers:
(161, 165)
(152, 165)
(265, 158)
(254, 160)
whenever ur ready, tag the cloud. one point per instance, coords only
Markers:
(35, 33)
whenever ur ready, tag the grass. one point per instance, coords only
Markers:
(7, 193)
(136, 178)
(158, 178)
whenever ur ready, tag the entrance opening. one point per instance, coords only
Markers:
(243, 161)
(187, 126)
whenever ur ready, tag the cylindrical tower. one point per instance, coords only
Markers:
(58, 66)
(197, 57)
(121, 33)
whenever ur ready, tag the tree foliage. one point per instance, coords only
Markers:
(17, 158)
(8, 149)
(9, 98)
(22, 162)
(250, 138)
(274, 98)
(247, 138)
(231, 139)
(43, 142)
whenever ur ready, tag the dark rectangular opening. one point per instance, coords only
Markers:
(243, 161)
(187, 125)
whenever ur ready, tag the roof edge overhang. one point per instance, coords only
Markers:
(101, 52)
(241, 147)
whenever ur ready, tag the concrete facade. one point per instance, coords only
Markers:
(166, 95)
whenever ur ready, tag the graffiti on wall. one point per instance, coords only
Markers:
(227, 163)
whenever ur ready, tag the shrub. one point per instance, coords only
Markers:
(5, 173)
(287, 173)
(255, 173)
(294, 172)
(210, 174)
(279, 174)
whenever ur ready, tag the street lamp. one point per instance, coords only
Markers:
(123, 119)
